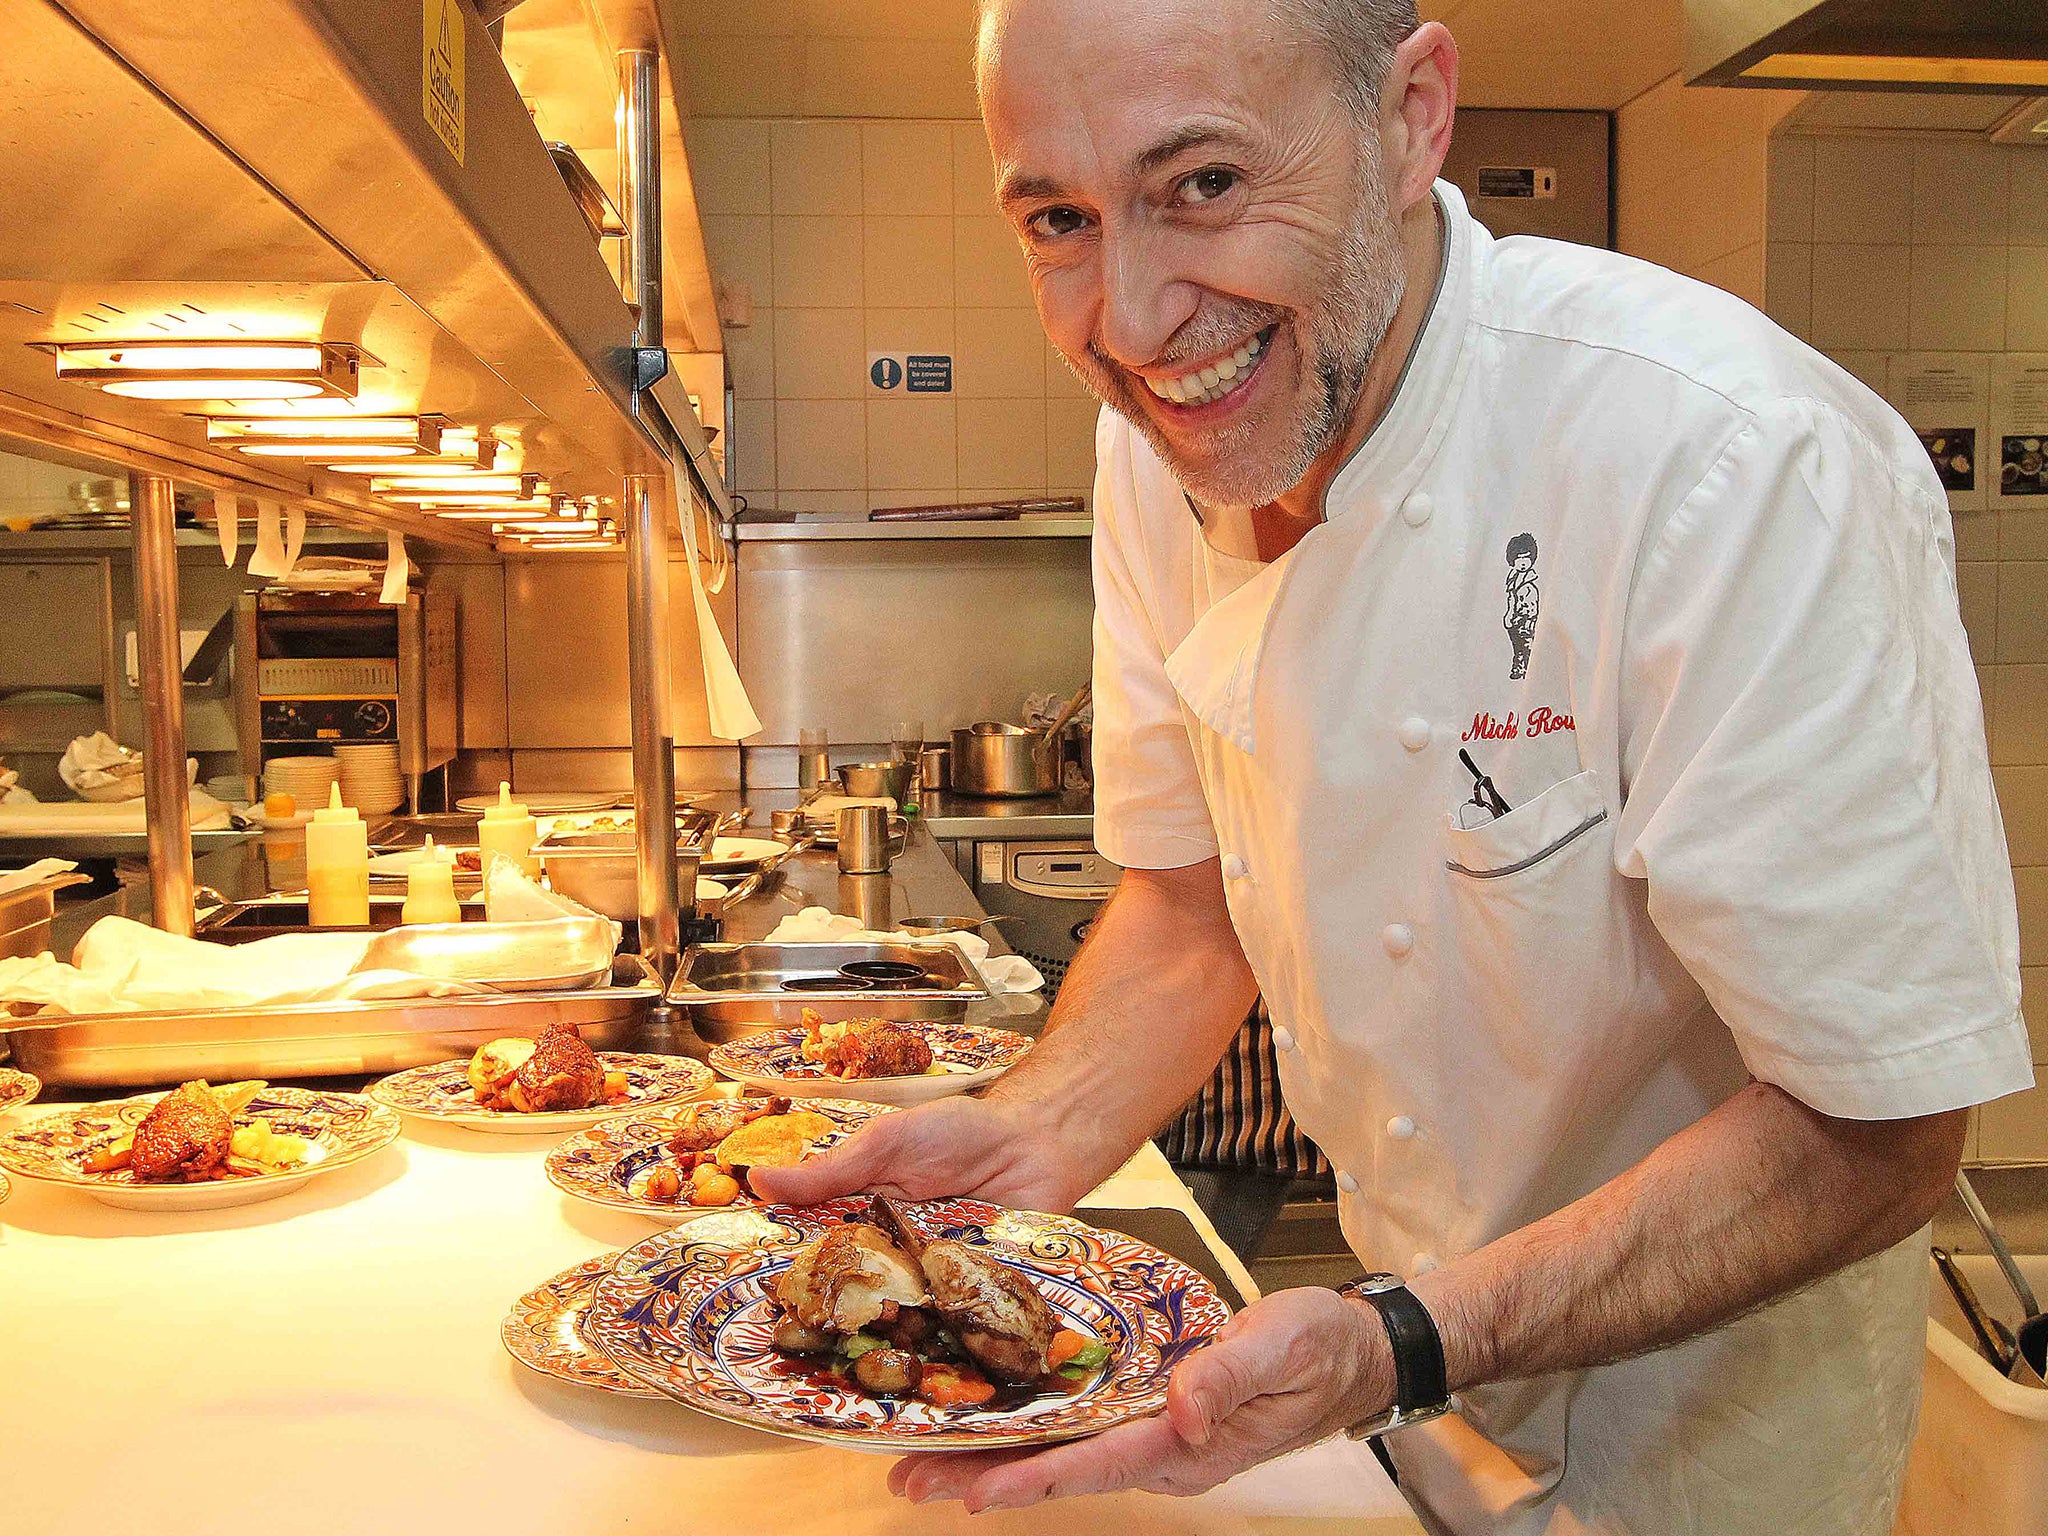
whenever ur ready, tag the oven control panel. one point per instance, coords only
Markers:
(329, 720)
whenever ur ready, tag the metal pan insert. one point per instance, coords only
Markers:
(887, 973)
(826, 984)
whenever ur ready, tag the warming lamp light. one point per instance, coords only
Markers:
(213, 370)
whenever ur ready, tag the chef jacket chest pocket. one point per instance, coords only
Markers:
(1537, 948)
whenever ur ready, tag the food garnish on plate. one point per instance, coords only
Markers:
(716, 1144)
(852, 1049)
(876, 1305)
(555, 1072)
(192, 1135)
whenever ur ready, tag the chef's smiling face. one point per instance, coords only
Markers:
(1206, 226)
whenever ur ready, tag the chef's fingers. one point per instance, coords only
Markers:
(1248, 1360)
(1143, 1453)
(856, 1163)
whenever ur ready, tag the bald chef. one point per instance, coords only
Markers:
(1641, 1043)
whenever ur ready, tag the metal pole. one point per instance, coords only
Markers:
(654, 760)
(640, 187)
(646, 526)
(166, 796)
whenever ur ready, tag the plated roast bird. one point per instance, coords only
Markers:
(847, 1279)
(185, 1136)
(1002, 1321)
(562, 1073)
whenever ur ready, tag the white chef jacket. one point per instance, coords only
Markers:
(1752, 834)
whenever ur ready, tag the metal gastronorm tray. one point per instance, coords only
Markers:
(309, 1039)
(732, 989)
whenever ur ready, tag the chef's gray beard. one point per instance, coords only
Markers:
(1336, 340)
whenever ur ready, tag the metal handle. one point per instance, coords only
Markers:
(1996, 1242)
(1993, 1340)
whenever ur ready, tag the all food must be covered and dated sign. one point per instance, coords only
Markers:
(443, 84)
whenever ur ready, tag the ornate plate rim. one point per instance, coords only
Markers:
(567, 1119)
(1013, 1046)
(1206, 1318)
(645, 1135)
(523, 1319)
(10, 1080)
(378, 1128)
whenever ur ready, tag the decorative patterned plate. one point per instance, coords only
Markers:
(6, 1189)
(442, 1092)
(608, 1164)
(972, 1056)
(17, 1088)
(344, 1127)
(544, 1332)
(693, 1318)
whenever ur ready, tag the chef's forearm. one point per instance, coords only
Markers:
(1146, 1009)
(1758, 1198)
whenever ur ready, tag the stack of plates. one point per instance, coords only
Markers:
(306, 779)
(369, 776)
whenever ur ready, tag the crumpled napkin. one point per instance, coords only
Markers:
(12, 790)
(121, 966)
(818, 925)
(511, 895)
(97, 767)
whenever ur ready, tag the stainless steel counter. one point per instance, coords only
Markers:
(1069, 814)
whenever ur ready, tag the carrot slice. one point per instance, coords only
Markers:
(945, 1386)
(1065, 1345)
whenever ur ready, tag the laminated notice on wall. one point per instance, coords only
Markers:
(227, 524)
(1946, 399)
(2019, 430)
(294, 540)
(269, 557)
(396, 571)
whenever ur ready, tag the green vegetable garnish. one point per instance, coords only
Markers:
(858, 1344)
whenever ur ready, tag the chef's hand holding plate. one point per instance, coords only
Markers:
(992, 1149)
(1285, 1372)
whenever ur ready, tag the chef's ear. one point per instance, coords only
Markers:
(1418, 99)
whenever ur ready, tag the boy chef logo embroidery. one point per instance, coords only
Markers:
(1520, 621)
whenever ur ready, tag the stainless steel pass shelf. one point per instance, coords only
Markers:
(848, 530)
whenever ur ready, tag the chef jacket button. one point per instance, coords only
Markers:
(1416, 509)
(1421, 1264)
(1414, 733)
(1399, 939)
(1347, 1183)
(1400, 1127)
(1283, 1037)
(1234, 867)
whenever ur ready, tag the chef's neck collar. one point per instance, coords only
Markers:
(1389, 455)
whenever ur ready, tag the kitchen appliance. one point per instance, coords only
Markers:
(1049, 894)
(319, 669)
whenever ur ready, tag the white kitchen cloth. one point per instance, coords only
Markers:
(513, 896)
(113, 818)
(731, 712)
(121, 965)
(99, 767)
(817, 925)
(268, 560)
(21, 879)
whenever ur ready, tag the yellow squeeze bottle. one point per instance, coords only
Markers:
(430, 889)
(337, 866)
(508, 829)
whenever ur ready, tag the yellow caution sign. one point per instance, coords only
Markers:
(443, 85)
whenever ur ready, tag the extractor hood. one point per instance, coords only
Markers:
(1869, 45)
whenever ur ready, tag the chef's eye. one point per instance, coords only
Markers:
(1204, 186)
(1051, 223)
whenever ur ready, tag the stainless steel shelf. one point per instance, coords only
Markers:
(830, 530)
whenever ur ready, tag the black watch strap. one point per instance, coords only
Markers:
(1421, 1384)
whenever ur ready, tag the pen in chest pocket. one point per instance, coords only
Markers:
(1484, 795)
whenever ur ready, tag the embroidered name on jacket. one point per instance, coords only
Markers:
(1542, 721)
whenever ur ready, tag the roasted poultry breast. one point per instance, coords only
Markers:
(186, 1136)
(562, 1073)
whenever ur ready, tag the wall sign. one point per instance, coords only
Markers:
(916, 373)
(443, 84)
(1517, 181)
(1945, 398)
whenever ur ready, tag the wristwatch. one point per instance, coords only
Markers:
(1421, 1386)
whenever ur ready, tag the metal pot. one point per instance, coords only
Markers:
(868, 780)
(993, 759)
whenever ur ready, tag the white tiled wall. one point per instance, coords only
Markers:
(859, 236)
(1890, 242)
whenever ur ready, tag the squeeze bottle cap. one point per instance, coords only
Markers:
(334, 810)
(507, 809)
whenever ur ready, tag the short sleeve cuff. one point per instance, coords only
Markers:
(1153, 847)
(1952, 1073)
